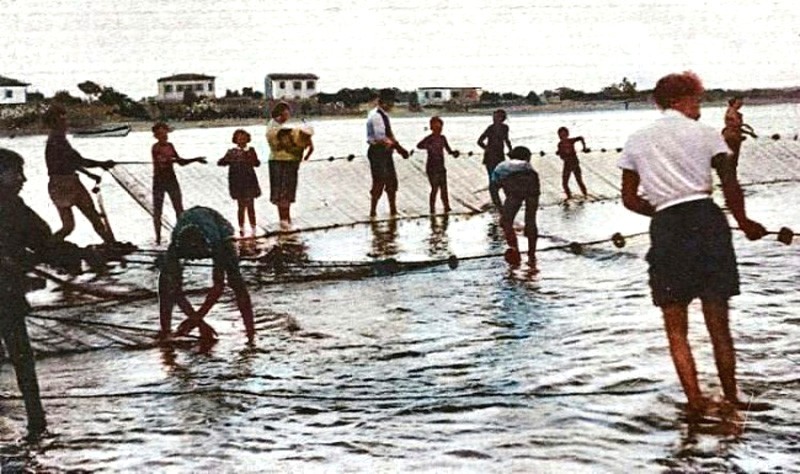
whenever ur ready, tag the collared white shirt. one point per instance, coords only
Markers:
(376, 129)
(672, 157)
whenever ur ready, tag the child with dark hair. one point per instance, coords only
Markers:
(493, 141)
(242, 180)
(735, 128)
(566, 150)
(164, 179)
(436, 144)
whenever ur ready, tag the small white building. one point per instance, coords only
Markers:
(12, 91)
(173, 88)
(440, 95)
(290, 86)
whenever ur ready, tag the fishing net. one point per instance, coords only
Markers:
(334, 193)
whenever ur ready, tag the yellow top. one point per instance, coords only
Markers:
(277, 151)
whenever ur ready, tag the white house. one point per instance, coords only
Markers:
(173, 88)
(12, 91)
(290, 86)
(440, 95)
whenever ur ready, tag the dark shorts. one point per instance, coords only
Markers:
(691, 254)
(282, 180)
(381, 167)
(437, 177)
(67, 191)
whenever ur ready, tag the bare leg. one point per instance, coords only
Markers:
(176, 198)
(251, 213)
(67, 222)
(87, 208)
(565, 174)
(432, 199)
(445, 197)
(392, 202)
(579, 179)
(158, 208)
(716, 316)
(676, 322)
(283, 211)
(240, 215)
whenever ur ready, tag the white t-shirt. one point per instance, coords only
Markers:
(376, 129)
(672, 157)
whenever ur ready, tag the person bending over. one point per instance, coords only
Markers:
(201, 232)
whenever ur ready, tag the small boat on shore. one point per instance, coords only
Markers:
(104, 131)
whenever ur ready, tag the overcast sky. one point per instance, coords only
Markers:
(518, 45)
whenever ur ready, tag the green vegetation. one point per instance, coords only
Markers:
(103, 104)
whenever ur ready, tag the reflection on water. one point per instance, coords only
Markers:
(438, 243)
(477, 369)
(384, 238)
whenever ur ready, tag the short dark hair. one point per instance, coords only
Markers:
(387, 95)
(53, 113)
(278, 109)
(563, 129)
(160, 125)
(676, 86)
(520, 153)
(10, 159)
(240, 131)
(436, 118)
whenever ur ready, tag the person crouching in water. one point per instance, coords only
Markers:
(520, 184)
(201, 232)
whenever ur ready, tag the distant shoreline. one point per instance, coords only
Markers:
(402, 112)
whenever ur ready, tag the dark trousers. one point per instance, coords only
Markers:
(381, 166)
(15, 338)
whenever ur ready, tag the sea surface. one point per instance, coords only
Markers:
(481, 368)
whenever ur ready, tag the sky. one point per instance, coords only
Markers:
(506, 45)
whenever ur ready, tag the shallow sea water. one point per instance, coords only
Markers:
(477, 369)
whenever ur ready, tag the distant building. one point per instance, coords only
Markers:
(12, 91)
(173, 88)
(440, 95)
(290, 86)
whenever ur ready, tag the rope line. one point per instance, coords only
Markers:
(334, 398)
(479, 153)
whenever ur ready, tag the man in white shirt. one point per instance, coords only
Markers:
(382, 144)
(691, 254)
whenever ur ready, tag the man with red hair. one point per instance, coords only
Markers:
(691, 254)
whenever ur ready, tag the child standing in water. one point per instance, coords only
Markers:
(164, 179)
(436, 144)
(566, 150)
(493, 141)
(242, 180)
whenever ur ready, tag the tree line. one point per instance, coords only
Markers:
(103, 103)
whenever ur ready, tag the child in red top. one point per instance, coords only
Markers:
(566, 150)
(436, 144)
(242, 179)
(164, 179)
